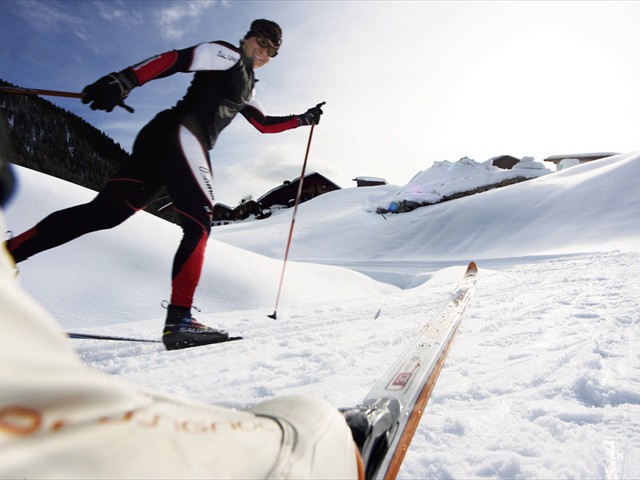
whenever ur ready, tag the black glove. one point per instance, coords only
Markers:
(311, 116)
(110, 90)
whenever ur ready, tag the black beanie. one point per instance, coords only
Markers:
(266, 28)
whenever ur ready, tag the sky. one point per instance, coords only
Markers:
(406, 83)
(542, 380)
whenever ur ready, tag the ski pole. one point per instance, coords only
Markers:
(53, 93)
(33, 91)
(293, 221)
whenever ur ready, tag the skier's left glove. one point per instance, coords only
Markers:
(311, 116)
(110, 91)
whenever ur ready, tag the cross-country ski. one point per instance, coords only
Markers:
(397, 401)
(91, 336)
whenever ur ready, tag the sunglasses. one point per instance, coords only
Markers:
(265, 43)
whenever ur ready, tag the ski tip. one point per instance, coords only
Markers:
(472, 269)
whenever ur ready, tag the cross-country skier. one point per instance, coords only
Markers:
(61, 419)
(172, 151)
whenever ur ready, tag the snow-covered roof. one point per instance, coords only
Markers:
(444, 179)
(369, 179)
(580, 156)
(223, 205)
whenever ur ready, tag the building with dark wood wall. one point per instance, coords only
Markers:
(314, 185)
(506, 162)
(222, 215)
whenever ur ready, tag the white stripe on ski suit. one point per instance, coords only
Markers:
(213, 56)
(196, 158)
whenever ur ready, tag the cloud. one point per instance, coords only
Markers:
(51, 17)
(178, 18)
(118, 12)
(275, 163)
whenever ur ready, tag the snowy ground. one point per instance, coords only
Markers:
(543, 380)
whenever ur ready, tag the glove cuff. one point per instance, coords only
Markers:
(126, 80)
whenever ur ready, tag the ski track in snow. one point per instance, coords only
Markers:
(563, 395)
(542, 380)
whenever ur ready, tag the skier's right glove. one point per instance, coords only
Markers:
(110, 91)
(311, 116)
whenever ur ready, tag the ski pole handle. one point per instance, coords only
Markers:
(126, 107)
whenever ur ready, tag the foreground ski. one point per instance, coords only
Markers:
(395, 404)
(88, 336)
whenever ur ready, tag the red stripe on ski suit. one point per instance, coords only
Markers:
(268, 124)
(155, 67)
(14, 243)
(185, 280)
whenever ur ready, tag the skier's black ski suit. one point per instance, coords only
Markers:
(171, 151)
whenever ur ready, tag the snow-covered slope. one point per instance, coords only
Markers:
(588, 207)
(543, 380)
(123, 274)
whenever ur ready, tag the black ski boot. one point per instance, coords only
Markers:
(181, 330)
(372, 427)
